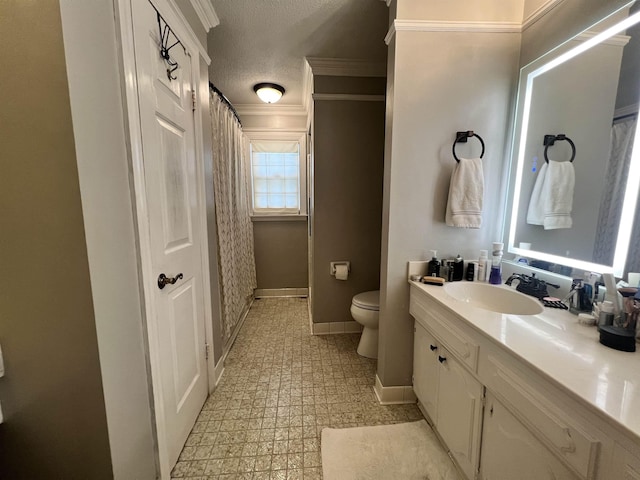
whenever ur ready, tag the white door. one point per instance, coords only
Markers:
(176, 323)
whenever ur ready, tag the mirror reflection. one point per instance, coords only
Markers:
(576, 176)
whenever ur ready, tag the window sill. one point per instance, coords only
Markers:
(279, 218)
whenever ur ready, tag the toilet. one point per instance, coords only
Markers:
(365, 309)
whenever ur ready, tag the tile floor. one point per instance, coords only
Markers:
(280, 388)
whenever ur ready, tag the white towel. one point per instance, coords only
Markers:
(558, 191)
(464, 208)
(535, 214)
(552, 197)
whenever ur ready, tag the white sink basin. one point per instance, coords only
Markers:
(494, 298)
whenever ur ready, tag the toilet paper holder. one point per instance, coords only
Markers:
(335, 264)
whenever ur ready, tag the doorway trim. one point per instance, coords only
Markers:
(171, 13)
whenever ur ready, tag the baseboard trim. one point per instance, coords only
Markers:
(335, 328)
(281, 292)
(217, 373)
(394, 395)
(236, 330)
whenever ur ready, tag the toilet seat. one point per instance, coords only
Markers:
(367, 300)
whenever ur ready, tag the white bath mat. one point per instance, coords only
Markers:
(407, 451)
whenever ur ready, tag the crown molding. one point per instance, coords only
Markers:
(206, 14)
(615, 40)
(275, 133)
(442, 26)
(346, 67)
(348, 96)
(540, 12)
(269, 109)
(627, 110)
(307, 87)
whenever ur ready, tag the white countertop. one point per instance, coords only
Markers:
(570, 354)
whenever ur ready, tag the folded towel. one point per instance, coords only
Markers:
(535, 214)
(464, 208)
(558, 192)
(552, 197)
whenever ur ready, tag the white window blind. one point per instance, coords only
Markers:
(275, 174)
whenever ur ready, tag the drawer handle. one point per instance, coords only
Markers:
(442, 359)
(572, 446)
(433, 348)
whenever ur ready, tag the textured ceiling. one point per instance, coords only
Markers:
(267, 40)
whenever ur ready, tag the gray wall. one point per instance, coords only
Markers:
(439, 83)
(569, 18)
(281, 254)
(55, 421)
(347, 184)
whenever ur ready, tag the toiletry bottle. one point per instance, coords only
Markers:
(433, 267)
(444, 269)
(495, 277)
(482, 266)
(472, 269)
(606, 313)
(458, 269)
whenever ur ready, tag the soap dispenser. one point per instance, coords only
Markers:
(458, 269)
(495, 276)
(433, 267)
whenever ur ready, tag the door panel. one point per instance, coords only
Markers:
(176, 320)
(426, 370)
(459, 411)
(510, 451)
(177, 214)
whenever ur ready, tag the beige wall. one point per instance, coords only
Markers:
(445, 10)
(439, 83)
(348, 158)
(281, 254)
(55, 422)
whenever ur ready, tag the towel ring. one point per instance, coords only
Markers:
(549, 140)
(461, 137)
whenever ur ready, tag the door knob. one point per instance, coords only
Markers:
(433, 348)
(164, 280)
(442, 359)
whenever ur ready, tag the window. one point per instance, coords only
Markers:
(277, 177)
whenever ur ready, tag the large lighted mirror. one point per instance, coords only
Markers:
(575, 171)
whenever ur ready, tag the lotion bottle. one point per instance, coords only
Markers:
(482, 266)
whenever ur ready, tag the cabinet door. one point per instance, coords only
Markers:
(626, 466)
(510, 451)
(425, 370)
(459, 412)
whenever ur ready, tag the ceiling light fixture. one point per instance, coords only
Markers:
(269, 92)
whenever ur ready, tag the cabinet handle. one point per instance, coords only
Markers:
(433, 348)
(442, 359)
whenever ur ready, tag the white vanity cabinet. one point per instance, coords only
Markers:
(495, 389)
(451, 397)
(510, 451)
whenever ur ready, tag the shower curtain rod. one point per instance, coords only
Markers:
(226, 101)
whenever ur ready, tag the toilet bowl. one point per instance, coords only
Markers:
(365, 309)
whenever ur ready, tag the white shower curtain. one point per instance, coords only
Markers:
(622, 135)
(235, 230)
